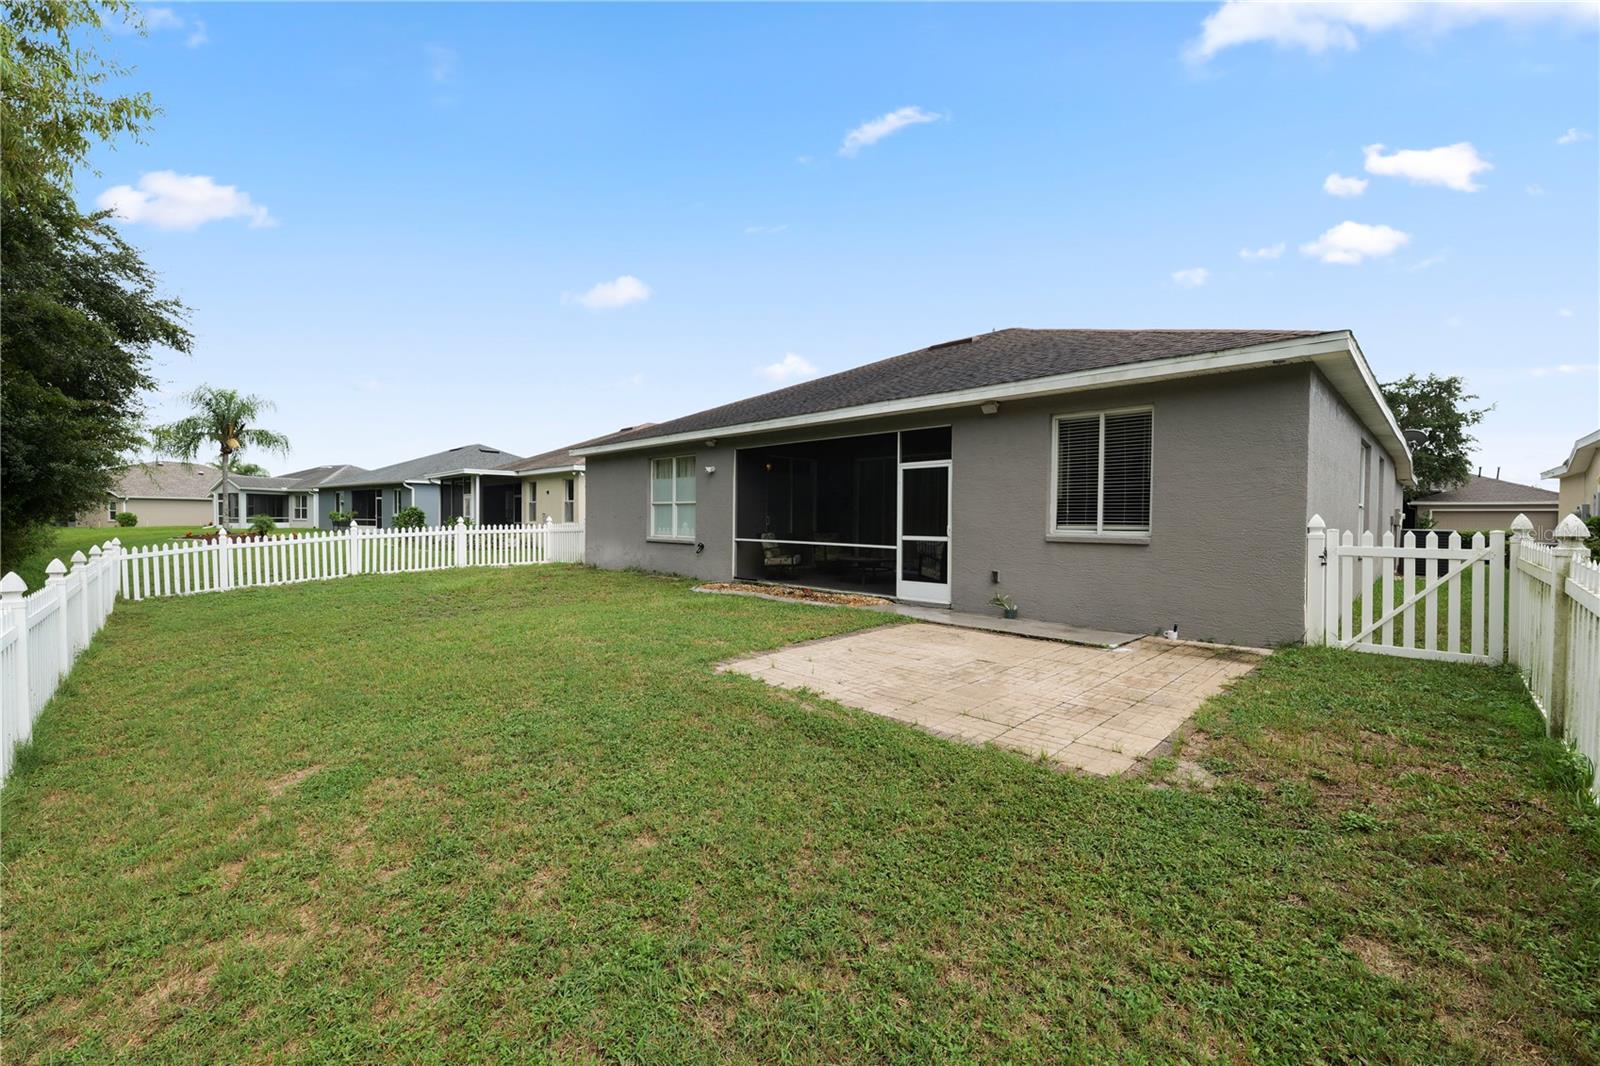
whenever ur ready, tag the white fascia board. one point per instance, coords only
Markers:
(1582, 444)
(1336, 353)
(540, 471)
(1494, 506)
(479, 471)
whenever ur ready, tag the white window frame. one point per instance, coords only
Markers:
(1363, 489)
(651, 503)
(301, 507)
(1099, 533)
(569, 500)
(111, 510)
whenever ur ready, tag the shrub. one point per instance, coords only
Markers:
(127, 518)
(410, 518)
(262, 524)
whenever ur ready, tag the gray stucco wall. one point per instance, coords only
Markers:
(1333, 466)
(1239, 461)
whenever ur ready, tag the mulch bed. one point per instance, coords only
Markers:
(789, 592)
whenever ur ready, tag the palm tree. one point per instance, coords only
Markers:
(221, 417)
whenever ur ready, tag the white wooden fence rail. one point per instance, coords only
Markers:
(1555, 632)
(41, 634)
(1388, 598)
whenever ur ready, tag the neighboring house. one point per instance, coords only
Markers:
(160, 494)
(1126, 479)
(552, 482)
(1489, 503)
(294, 499)
(469, 481)
(1580, 478)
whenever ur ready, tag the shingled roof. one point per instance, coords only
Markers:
(166, 481)
(563, 458)
(1490, 492)
(465, 457)
(999, 358)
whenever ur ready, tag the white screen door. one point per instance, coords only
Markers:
(925, 532)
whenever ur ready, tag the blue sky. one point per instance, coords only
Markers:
(415, 226)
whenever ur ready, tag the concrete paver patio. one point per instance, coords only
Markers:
(1093, 709)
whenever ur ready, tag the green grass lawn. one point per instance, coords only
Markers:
(513, 814)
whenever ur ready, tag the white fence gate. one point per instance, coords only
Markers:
(1391, 598)
(42, 634)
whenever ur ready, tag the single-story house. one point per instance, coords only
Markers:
(552, 482)
(293, 499)
(1126, 479)
(1580, 478)
(159, 493)
(468, 481)
(1489, 503)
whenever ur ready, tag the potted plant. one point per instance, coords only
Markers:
(1007, 605)
(341, 519)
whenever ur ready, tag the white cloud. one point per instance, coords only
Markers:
(875, 130)
(764, 231)
(1191, 278)
(791, 367)
(1424, 264)
(1323, 27)
(441, 61)
(162, 18)
(1339, 185)
(1349, 243)
(1562, 370)
(1535, 189)
(1451, 166)
(169, 200)
(609, 295)
(197, 36)
(1271, 251)
(1573, 136)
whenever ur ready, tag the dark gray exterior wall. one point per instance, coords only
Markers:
(1232, 478)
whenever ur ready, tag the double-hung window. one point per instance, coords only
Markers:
(1100, 474)
(672, 498)
(300, 510)
(569, 504)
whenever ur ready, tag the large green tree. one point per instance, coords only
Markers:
(1437, 416)
(80, 313)
(224, 418)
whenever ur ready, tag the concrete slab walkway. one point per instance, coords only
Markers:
(1093, 709)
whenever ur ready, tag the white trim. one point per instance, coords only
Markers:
(1099, 534)
(541, 470)
(651, 503)
(933, 592)
(1336, 353)
(1579, 445)
(1495, 505)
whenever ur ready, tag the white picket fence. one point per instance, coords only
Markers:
(42, 634)
(184, 567)
(1389, 598)
(1555, 632)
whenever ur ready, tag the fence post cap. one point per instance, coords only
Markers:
(12, 585)
(94, 552)
(1521, 524)
(78, 558)
(460, 521)
(222, 532)
(117, 541)
(1572, 528)
(1316, 523)
(56, 568)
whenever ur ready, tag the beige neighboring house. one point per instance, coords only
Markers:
(160, 494)
(552, 482)
(1580, 478)
(1489, 503)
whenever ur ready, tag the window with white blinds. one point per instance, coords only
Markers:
(1100, 473)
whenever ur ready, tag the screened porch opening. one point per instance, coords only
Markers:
(819, 513)
(367, 506)
(275, 507)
